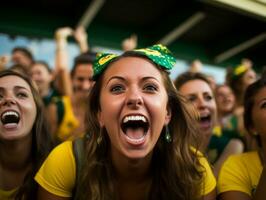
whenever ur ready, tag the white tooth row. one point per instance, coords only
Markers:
(134, 118)
(10, 113)
(139, 140)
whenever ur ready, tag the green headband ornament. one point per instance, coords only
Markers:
(158, 53)
(239, 70)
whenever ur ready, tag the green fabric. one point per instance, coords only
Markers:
(231, 128)
(47, 99)
(218, 143)
(60, 108)
(55, 97)
(159, 54)
(216, 147)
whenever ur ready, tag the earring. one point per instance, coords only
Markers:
(100, 137)
(87, 136)
(254, 133)
(167, 135)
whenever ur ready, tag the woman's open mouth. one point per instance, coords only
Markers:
(205, 121)
(135, 128)
(10, 119)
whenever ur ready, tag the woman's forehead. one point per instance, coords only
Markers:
(195, 85)
(133, 66)
(12, 80)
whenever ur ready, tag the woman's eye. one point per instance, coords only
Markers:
(117, 89)
(208, 97)
(263, 105)
(150, 88)
(22, 95)
(191, 98)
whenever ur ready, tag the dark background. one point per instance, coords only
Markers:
(221, 29)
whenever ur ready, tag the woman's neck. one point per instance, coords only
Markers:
(239, 101)
(133, 178)
(15, 155)
(262, 153)
(45, 92)
(132, 169)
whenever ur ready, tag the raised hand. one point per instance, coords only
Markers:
(130, 43)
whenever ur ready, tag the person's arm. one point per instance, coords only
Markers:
(130, 43)
(260, 193)
(61, 60)
(235, 146)
(81, 37)
(45, 195)
(210, 196)
(3, 61)
(52, 119)
(233, 195)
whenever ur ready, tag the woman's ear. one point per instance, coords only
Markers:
(168, 115)
(252, 131)
(100, 118)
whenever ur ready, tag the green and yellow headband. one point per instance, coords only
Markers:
(239, 70)
(159, 54)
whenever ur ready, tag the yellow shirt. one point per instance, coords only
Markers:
(209, 183)
(69, 122)
(7, 194)
(58, 172)
(240, 173)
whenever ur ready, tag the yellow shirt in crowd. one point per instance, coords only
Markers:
(57, 174)
(240, 173)
(7, 194)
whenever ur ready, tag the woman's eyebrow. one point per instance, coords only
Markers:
(115, 77)
(21, 87)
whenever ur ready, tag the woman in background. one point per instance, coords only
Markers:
(24, 139)
(243, 177)
(197, 89)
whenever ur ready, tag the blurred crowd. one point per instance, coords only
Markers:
(225, 127)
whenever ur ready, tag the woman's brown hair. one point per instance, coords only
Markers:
(41, 141)
(176, 173)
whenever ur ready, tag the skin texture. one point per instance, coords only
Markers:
(15, 94)
(200, 94)
(225, 100)
(15, 140)
(258, 116)
(19, 58)
(248, 78)
(82, 80)
(128, 91)
(42, 78)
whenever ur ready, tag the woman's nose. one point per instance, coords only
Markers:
(201, 103)
(134, 98)
(7, 101)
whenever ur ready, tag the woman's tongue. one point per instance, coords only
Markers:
(135, 133)
(205, 123)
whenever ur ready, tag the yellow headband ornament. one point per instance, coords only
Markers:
(239, 70)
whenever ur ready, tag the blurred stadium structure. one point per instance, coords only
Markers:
(218, 32)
